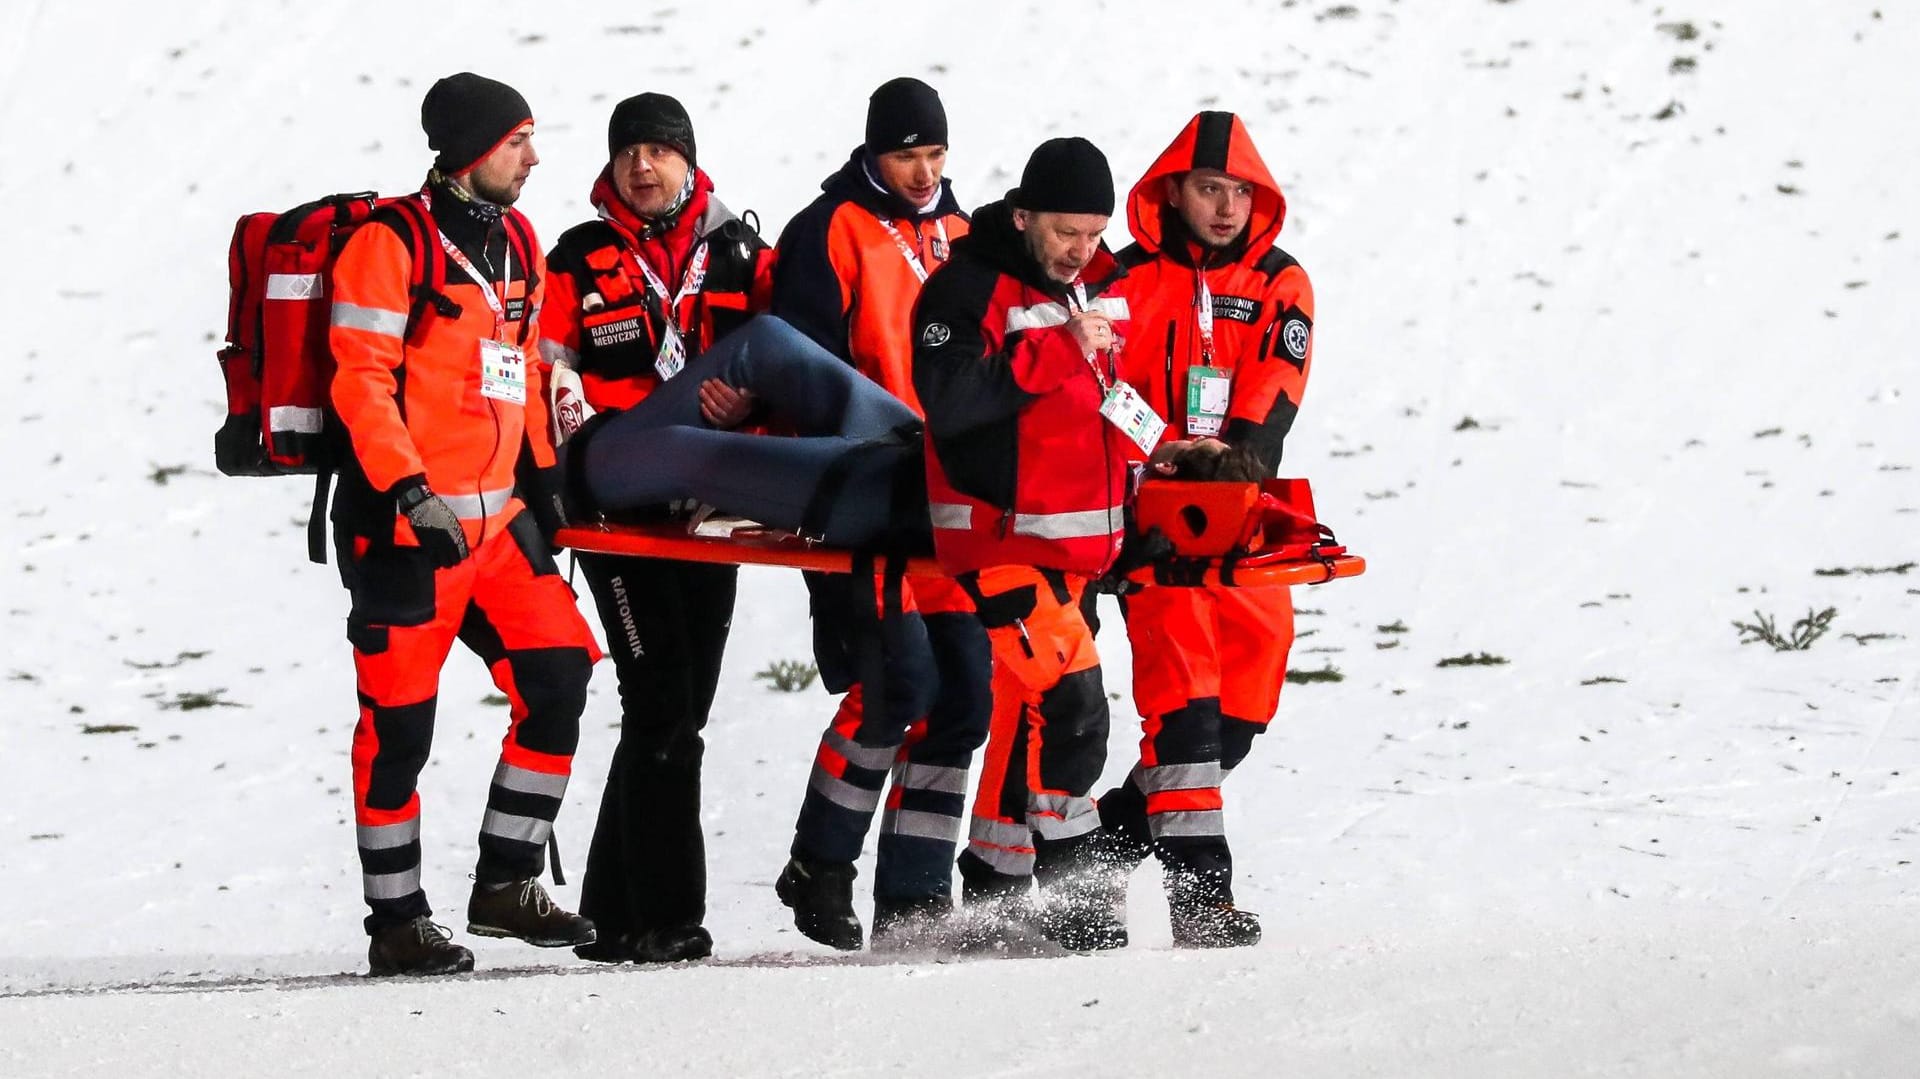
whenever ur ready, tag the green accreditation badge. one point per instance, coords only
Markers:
(1208, 390)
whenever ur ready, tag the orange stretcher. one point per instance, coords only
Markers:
(1237, 534)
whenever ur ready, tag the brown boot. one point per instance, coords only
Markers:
(523, 910)
(418, 947)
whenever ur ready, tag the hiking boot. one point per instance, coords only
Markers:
(418, 947)
(1213, 924)
(1083, 917)
(673, 944)
(821, 897)
(1002, 925)
(523, 910)
(910, 924)
(605, 949)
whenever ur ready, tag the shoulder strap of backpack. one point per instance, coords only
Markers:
(429, 275)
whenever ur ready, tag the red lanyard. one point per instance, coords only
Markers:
(1077, 301)
(1203, 314)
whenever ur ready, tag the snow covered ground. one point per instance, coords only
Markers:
(1617, 347)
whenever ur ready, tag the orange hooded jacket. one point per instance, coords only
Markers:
(1262, 302)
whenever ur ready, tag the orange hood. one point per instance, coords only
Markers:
(1211, 140)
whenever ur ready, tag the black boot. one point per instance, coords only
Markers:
(998, 915)
(674, 944)
(1201, 912)
(417, 947)
(821, 896)
(524, 911)
(911, 924)
(1083, 891)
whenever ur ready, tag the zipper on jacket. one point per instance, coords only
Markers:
(1172, 326)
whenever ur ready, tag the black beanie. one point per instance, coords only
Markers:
(651, 118)
(1068, 176)
(905, 113)
(466, 116)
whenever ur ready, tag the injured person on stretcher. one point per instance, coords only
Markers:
(852, 474)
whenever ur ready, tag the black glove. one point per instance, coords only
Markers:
(540, 489)
(1136, 550)
(434, 523)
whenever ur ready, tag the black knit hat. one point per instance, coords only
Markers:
(1068, 176)
(651, 118)
(905, 113)
(466, 116)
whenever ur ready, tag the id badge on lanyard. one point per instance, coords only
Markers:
(1209, 388)
(1120, 404)
(1127, 410)
(672, 357)
(503, 372)
(503, 367)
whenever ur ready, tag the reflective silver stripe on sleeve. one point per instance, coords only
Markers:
(951, 515)
(842, 793)
(1187, 822)
(1079, 524)
(527, 781)
(1038, 317)
(294, 419)
(514, 826)
(1180, 777)
(872, 758)
(556, 353)
(294, 286)
(1062, 816)
(931, 777)
(474, 507)
(391, 885)
(387, 836)
(921, 825)
(351, 316)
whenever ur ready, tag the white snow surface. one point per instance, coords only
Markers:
(1617, 347)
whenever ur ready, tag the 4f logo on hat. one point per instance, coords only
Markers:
(910, 139)
(935, 335)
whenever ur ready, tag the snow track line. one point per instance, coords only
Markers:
(1846, 791)
(302, 982)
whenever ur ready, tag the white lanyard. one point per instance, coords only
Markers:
(690, 283)
(913, 257)
(1203, 314)
(460, 259)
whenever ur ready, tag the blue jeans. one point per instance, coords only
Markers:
(850, 431)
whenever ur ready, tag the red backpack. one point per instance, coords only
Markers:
(277, 361)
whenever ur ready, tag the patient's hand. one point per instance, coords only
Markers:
(722, 406)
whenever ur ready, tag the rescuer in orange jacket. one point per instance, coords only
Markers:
(450, 450)
(1016, 362)
(662, 273)
(851, 265)
(1221, 344)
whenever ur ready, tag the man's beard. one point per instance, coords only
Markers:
(499, 196)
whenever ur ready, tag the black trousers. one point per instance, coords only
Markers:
(666, 625)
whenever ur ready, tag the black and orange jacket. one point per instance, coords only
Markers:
(844, 279)
(407, 382)
(602, 320)
(1262, 300)
(1021, 467)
